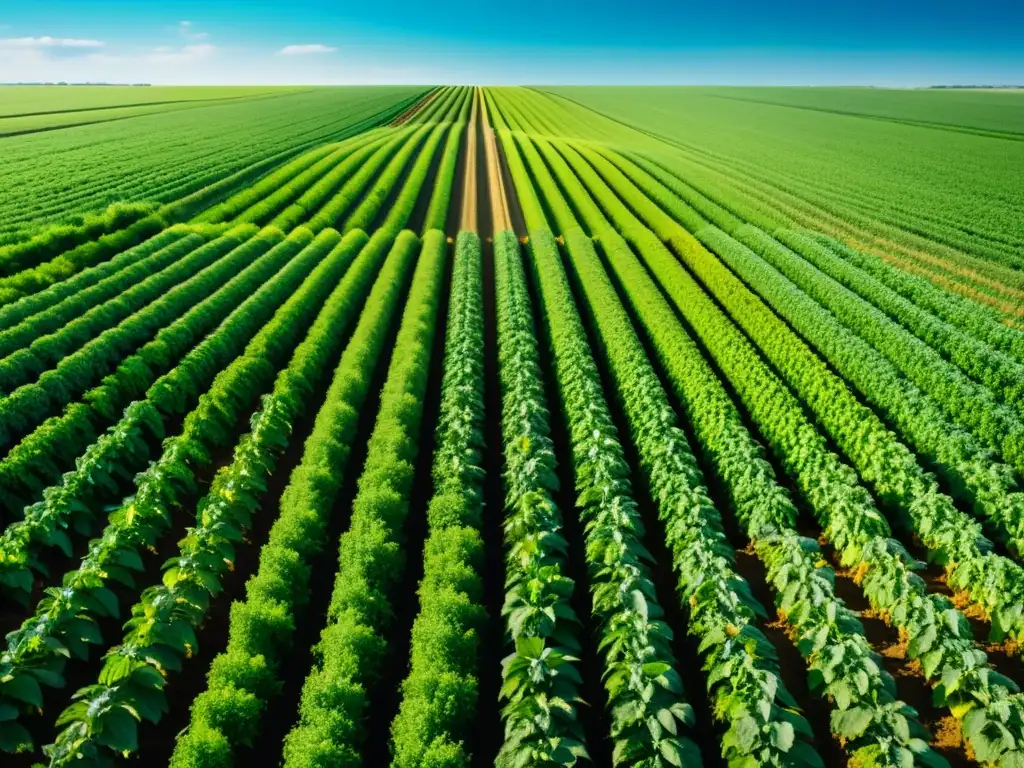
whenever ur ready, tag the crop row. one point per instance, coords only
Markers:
(55, 240)
(40, 458)
(65, 620)
(227, 716)
(62, 172)
(541, 685)
(723, 612)
(964, 400)
(269, 184)
(943, 632)
(134, 675)
(439, 696)
(372, 555)
(28, 405)
(161, 635)
(87, 254)
(641, 679)
(876, 727)
(108, 464)
(969, 467)
(938, 635)
(992, 581)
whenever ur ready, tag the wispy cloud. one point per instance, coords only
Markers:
(186, 55)
(301, 50)
(48, 43)
(187, 30)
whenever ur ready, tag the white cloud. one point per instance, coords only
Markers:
(185, 27)
(47, 43)
(186, 55)
(300, 50)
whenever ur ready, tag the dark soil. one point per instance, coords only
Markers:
(911, 687)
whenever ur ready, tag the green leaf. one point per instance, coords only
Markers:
(670, 750)
(782, 736)
(106, 599)
(656, 668)
(746, 732)
(14, 738)
(851, 723)
(804, 754)
(24, 688)
(530, 647)
(667, 720)
(49, 678)
(119, 731)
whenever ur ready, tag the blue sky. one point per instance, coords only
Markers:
(874, 42)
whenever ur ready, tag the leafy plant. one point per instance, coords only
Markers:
(228, 713)
(371, 555)
(160, 636)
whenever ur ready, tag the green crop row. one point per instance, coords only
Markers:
(333, 209)
(55, 240)
(116, 291)
(964, 400)
(439, 695)
(877, 728)
(540, 685)
(65, 621)
(646, 704)
(937, 634)
(994, 582)
(29, 404)
(1003, 375)
(88, 254)
(400, 210)
(45, 297)
(160, 636)
(306, 206)
(440, 198)
(972, 404)
(373, 199)
(331, 728)
(267, 185)
(276, 198)
(746, 684)
(243, 678)
(971, 469)
(40, 458)
(249, 301)
(23, 365)
(199, 158)
(972, 318)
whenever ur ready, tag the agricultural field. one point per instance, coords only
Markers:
(31, 109)
(932, 181)
(468, 426)
(55, 175)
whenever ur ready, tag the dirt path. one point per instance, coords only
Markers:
(415, 108)
(469, 218)
(501, 218)
(511, 195)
